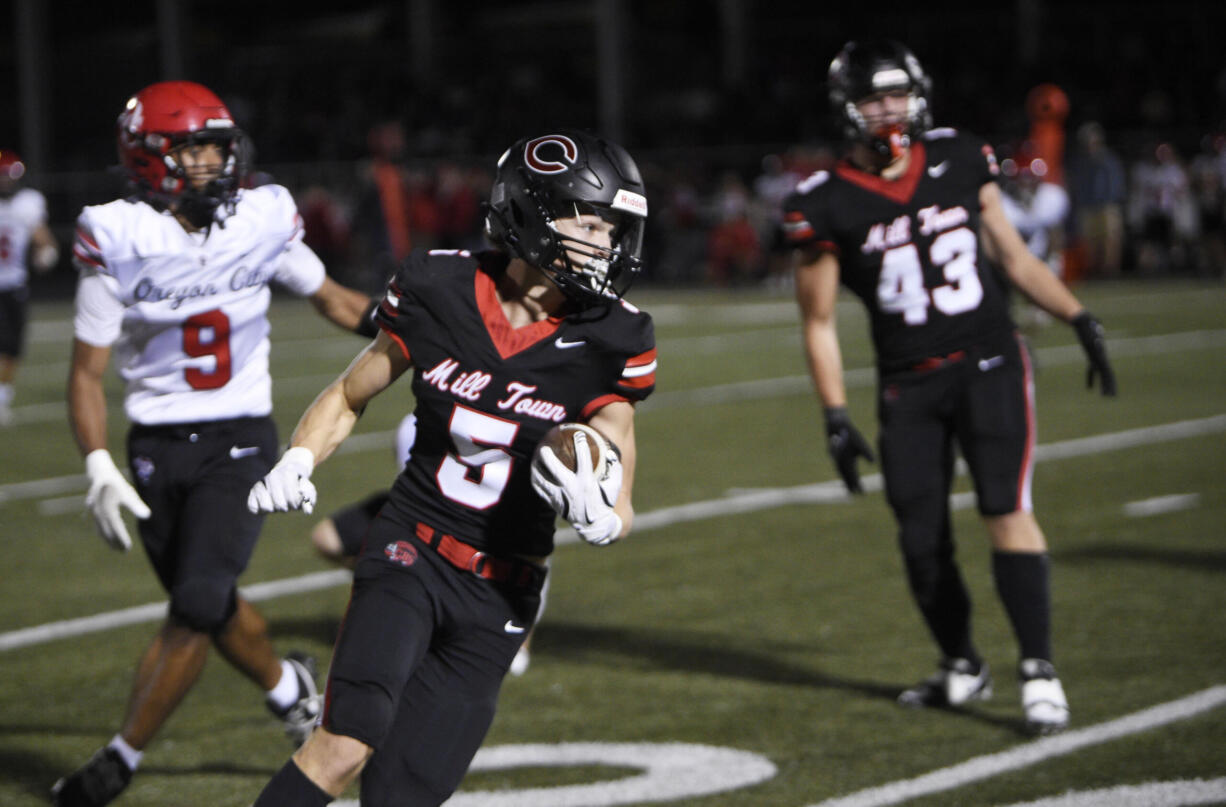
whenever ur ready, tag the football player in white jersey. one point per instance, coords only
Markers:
(23, 228)
(174, 280)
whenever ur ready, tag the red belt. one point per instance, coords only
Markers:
(937, 362)
(470, 559)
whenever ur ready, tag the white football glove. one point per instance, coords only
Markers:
(108, 492)
(287, 486)
(578, 496)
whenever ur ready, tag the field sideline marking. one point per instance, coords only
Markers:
(989, 765)
(756, 389)
(740, 502)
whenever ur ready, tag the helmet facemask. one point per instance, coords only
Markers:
(199, 202)
(546, 180)
(864, 70)
(590, 268)
(893, 134)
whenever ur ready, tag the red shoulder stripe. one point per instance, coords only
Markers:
(597, 403)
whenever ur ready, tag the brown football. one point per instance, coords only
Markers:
(561, 439)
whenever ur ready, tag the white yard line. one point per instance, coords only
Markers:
(738, 502)
(724, 393)
(1161, 504)
(1032, 753)
(151, 612)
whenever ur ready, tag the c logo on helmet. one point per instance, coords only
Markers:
(545, 165)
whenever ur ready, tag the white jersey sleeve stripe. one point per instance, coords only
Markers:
(635, 372)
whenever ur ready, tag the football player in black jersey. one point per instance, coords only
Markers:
(912, 222)
(502, 346)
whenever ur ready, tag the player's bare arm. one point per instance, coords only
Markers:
(86, 399)
(1003, 244)
(325, 425)
(817, 290)
(44, 251)
(342, 305)
(108, 490)
(616, 421)
(330, 419)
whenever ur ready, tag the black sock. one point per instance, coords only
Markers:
(1022, 583)
(290, 786)
(936, 585)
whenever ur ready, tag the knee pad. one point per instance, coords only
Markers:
(204, 604)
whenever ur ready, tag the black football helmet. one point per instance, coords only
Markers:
(866, 68)
(561, 175)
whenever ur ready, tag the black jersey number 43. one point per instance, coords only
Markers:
(900, 286)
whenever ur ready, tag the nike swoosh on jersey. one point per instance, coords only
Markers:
(511, 627)
(935, 171)
(237, 453)
(564, 344)
(988, 364)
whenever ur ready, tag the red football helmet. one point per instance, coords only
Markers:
(165, 116)
(12, 167)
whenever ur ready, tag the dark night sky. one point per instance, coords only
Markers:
(307, 85)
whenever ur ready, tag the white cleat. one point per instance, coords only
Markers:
(1043, 699)
(956, 683)
(519, 664)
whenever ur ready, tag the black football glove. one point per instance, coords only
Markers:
(1093, 342)
(846, 446)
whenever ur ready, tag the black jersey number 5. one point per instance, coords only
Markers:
(477, 473)
(900, 287)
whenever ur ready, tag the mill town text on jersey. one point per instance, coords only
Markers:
(469, 386)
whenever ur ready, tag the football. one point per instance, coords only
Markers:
(561, 439)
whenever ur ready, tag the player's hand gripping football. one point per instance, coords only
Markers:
(846, 445)
(287, 486)
(579, 496)
(1093, 341)
(108, 492)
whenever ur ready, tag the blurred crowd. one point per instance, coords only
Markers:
(1091, 208)
(1093, 202)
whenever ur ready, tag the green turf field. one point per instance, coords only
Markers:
(778, 626)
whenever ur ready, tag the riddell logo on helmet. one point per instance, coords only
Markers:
(401, 552)
(544, 163)
(630, 202)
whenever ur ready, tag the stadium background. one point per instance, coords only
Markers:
(699, 91)
(755, 608)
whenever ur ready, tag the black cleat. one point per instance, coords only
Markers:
(95, 783)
